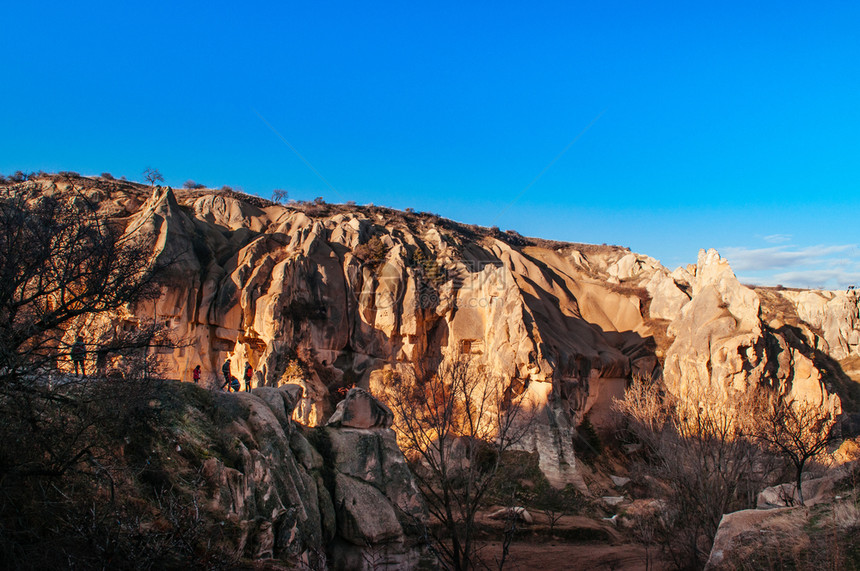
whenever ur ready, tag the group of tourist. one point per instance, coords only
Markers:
(78, 354)
(231, 383)
(79, 357)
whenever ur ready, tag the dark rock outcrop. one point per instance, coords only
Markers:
(293, 492)
(361, 410)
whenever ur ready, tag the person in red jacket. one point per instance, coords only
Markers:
(249, 372)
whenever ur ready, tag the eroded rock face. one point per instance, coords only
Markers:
(835, 313)
(327, 300)
(290, 497)
(372, 456)
(324, 297)
(721, 346)
(715, 334)
(667, 296)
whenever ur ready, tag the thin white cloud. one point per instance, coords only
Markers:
(779, 257)
(777, 238)
(819, 279)
(815, 267)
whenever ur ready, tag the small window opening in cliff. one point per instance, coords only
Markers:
(471, 346)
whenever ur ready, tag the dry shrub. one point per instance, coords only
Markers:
(454, 425)
(702, 450)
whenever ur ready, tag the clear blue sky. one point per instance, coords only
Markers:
(732, 125)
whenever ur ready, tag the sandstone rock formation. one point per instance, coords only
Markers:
(835, 314)
(777, 534)
(325, 297)
(721, 345)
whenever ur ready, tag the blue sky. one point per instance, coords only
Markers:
(730, 125)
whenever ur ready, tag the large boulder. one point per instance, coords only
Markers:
(360, 409)
(287, 495)
(373, 456)
(741, 533)
(823, 537)
(363, 513)
(815, 490)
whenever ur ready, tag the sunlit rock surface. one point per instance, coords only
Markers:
(326, 297)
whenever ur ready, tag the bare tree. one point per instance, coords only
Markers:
(553, 503)
(280, 195)
(453, 426)
(64, 266)
(61, 261)
(152, 176)
(704, 452)
(797, 430)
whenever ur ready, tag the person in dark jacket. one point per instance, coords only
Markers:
(232, 384)
(79, 355)
(225, 368)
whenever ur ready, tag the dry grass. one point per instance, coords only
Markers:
(659, 330)
(776, 307)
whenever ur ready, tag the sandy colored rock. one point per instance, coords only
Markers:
(721, 346)
(736, 525)
(667, 298)
(372, 456)
(836, 314)
(815, 490)
(326, 296)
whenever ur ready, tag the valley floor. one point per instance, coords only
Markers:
(575, 556)
(576, 543)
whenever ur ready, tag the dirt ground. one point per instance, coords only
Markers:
(577, 542)
(575, 556)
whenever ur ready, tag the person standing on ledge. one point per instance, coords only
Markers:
(79, 354)
(195, 374)
(249, 372)
(225, 368)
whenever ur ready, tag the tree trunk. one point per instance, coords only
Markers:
(799, 483)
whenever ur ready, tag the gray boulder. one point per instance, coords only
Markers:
(360, 409)
(363, 513)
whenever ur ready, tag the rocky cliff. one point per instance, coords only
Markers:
(270, 488)
(327, 297)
